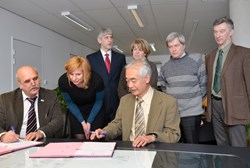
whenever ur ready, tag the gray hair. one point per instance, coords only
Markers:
(143, 65)
(174, 35)
(103, 32)
(226, 20)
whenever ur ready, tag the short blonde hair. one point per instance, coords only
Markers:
(79, 62)
(143, 44)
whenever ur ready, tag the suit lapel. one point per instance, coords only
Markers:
(100, 59)
(41, 107)
(228, 59)
(129, 112)
(113, 60)
(18, 105)
(154, 112)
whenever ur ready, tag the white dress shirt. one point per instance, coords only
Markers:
(146, 107)
(103, 55)
(26, 106)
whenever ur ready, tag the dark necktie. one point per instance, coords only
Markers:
(31, 125)
(107, 62)
(139, 119)
(217, 75)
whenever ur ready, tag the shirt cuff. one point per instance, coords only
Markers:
(1, 134)
(44, 135)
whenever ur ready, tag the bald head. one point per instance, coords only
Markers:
(24, 70)
(28, 80)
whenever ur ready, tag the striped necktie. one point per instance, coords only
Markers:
(139, 119)
(32, 124)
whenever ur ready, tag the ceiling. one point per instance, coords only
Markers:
(159, 17)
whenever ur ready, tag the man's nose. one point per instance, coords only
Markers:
(129, 84)
(33, 82)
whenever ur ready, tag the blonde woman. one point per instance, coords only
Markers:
(83, 91)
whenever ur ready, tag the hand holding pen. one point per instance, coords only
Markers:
(99, 133)
(10, 136)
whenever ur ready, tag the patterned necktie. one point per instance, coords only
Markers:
(139, 119)
(107, 62)
(31, 125)
(217, 75)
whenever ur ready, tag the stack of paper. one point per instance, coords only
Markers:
(76, 149)
(20, 144)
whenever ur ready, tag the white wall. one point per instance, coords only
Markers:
(56, 48)
(240, 14)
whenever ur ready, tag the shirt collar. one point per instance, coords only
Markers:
(148, 96)
(183, 55)
(226, 48)
(25, 96)
(103, 52)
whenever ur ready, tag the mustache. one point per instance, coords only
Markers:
(35, 87)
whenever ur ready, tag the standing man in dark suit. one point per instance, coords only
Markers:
(111, 74)
(229, 96)
(15, 109)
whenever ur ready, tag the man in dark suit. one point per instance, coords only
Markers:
(15, 109)
(229, 96)
(110, 75)
(160, 115)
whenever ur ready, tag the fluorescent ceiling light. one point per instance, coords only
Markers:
(191, 35)
(117, 48)
(152, 45)
(77, 21)
(133, 9)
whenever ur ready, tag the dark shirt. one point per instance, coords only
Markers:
(83, 101)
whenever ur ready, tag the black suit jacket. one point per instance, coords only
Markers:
(49, 111)
(118, 61)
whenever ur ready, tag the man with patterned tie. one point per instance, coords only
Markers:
(29, 112)
(228, 89)
(145, 115)
(108, 64)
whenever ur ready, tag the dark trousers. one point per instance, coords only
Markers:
(190, 128)
(229, 135)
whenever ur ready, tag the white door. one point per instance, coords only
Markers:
(25, 53)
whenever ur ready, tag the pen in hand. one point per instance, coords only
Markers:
(12, 128)
(15, 137)
(100, 133)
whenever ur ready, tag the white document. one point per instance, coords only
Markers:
(96, 149)
(20, 144)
